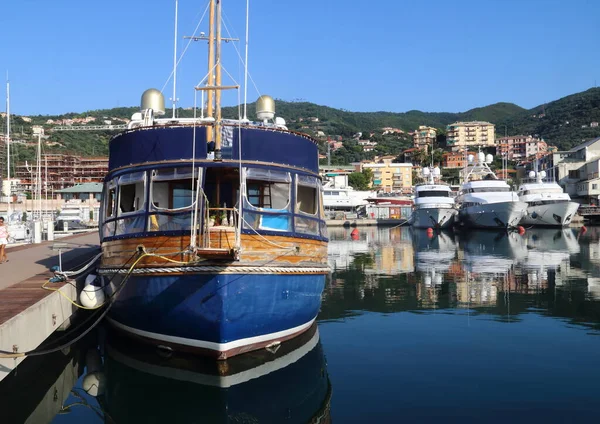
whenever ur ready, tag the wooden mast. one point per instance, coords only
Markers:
(211, 65)
(218, 86)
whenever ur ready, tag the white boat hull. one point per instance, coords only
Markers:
(493, 215)
(433, 217)
(552, 215)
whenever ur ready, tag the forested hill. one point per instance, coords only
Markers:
(564, 123)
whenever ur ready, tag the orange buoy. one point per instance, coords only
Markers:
(354, 232)
(521, 230)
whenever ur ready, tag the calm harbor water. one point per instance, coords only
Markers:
(473, 327)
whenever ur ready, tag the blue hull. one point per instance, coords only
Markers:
(226, 314)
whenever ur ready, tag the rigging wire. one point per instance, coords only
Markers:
(185, 50)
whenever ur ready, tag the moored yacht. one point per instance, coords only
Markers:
(339, 196)
(434, 204)
(547, 203)
(484, 200)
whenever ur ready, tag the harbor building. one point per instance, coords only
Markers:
(577, 170)
(460, 135)
(424, 137)
(520, 147)
(389, 176)
(61, 171)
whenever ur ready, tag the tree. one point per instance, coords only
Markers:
(361, 180)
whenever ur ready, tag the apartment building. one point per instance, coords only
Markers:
(453, 160)
(61, 171)
(424, 137)
(520, 147)
(576, 170)
(462, 135)
(389, 176)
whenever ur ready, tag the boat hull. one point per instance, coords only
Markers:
(433, 217)
(493, 215)
(550, 215)
(220, 315)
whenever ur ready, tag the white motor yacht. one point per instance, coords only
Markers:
(547, 203)
(434, 204)
(339, 196)
(484, 200)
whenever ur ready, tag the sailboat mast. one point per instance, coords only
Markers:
(211, 64)
(175, 62)
(218, 85)
(246, 64)
(8, 145)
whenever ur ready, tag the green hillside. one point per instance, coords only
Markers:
(564, 123)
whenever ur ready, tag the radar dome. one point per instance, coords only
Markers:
(436, 171)
(531, 174)
(425, 171)
(470, 158)
(153, 99)
(543, 174)
(481, 157)
(489, 159)
(265, 108)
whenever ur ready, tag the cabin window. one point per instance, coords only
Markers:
(173, 188)
(132, 192)
(307, 194)
(267, 189)
(111, 199)
(267, 200)
(433, 193)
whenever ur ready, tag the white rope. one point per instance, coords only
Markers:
(221, 270)
(81, 270)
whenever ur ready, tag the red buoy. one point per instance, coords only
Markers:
(521, 230)
(583, 229)
(354, 234)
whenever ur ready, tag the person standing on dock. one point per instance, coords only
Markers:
(3, 241)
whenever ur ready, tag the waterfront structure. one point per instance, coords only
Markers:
(389, 176)
(577, 170)
(461, 135)
(520, 147)
(424, 137)
(60, 171)
(86, 192)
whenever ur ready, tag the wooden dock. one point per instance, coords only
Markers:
(28, 313)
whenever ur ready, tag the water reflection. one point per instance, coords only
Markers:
(289, 384)
(499, 273)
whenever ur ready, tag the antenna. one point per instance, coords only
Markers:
(8, 145)
(246, 64)
(175, 62)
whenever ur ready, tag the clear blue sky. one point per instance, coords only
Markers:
(394, 55)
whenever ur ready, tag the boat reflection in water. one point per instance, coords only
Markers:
(289, 384)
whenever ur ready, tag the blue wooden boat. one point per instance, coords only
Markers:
(212, 230)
